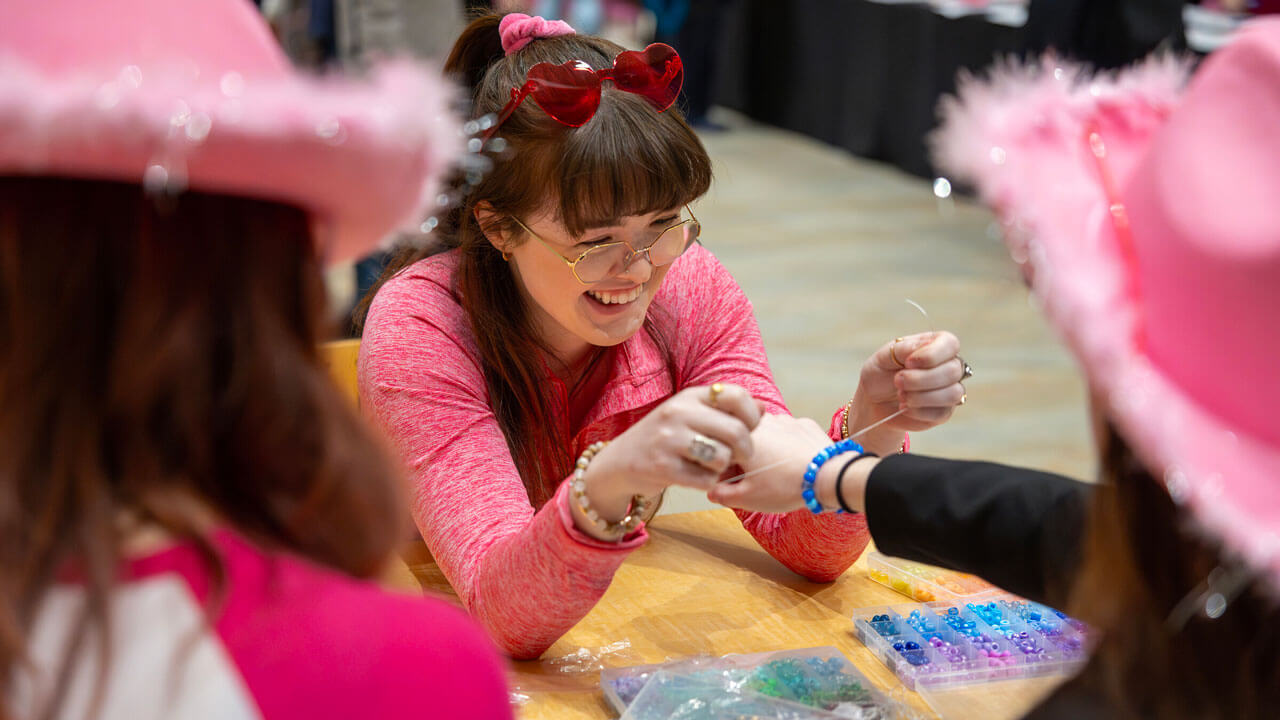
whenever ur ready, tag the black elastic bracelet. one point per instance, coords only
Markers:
(840, 479)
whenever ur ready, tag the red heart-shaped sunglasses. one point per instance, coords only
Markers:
(570, 92)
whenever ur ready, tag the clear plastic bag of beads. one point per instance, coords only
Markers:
(818, 678)
(677, 697)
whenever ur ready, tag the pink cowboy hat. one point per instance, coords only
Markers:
(178, 93)
(1149, 220)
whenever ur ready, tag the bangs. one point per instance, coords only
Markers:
(663, 164)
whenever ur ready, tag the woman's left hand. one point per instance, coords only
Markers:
(920, 374)
(783, 447)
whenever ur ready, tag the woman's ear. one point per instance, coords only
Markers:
(490, 224)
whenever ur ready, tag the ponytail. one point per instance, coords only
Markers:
(478, 47)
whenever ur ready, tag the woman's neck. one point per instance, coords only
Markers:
(572, 363)
(568, 354)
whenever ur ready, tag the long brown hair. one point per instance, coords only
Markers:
(1142, 557)
(154, 354)
(627, 160)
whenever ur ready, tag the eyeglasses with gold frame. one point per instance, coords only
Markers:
(609, 259)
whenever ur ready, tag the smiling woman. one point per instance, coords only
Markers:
(575, 351)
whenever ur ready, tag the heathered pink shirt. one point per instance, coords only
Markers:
(528, 574)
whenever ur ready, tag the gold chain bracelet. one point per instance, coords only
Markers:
(844, 427)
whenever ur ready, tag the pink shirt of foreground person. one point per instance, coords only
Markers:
(290, 640)
(528, 574)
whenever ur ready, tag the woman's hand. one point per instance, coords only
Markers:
(920, 374)
(785, 445)
(690, 440)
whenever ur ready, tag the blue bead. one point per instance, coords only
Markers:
(813, 468)
(808, 494)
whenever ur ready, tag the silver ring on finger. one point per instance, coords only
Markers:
(968, 370)
(703, 450)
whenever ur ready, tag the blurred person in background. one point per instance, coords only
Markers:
(191, 513)
(573, 306)
(369, 30)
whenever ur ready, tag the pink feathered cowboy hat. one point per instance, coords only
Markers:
(179, 93)
(1149, 216)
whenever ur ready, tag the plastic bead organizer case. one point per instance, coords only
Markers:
(925, 582)
(996, 637)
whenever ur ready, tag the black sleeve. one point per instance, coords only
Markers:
(1017, 528)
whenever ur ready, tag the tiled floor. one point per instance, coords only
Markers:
(829, 247)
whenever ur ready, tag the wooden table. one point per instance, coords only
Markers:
(702, 586)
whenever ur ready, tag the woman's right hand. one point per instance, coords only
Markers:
(690, 440)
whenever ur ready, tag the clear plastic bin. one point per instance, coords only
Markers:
(941, 644)
(926, 583)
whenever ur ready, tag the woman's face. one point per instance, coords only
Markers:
(605, 312)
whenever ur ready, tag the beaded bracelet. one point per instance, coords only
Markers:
(635, 512)
(811, 473)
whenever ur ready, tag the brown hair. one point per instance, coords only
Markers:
(627, 160)
(150, 357)
(1141, 558)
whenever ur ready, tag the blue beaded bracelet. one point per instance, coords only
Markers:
(811, 473)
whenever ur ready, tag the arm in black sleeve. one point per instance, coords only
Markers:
(1017, 528)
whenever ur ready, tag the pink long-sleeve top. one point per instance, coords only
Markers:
(526, 573)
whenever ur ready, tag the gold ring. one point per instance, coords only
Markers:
(894, 355)
(964, 398)
(716, 389)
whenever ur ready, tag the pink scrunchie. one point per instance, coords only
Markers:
(518, 29)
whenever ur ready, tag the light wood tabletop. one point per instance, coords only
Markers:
(702, 586)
